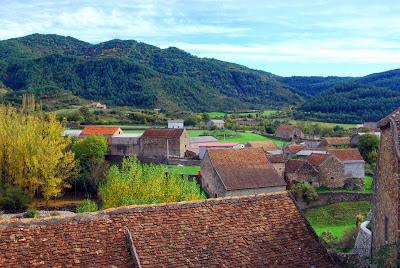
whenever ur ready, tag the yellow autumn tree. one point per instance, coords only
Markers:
(33, 154)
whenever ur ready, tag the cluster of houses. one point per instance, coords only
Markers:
(255, 223)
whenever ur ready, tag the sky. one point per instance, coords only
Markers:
(284, 37)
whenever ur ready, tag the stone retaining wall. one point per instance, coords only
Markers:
(362, 246)
(327, 198)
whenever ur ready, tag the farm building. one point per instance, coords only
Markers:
(355, 139)
(203, 147)
(176, 123)
(278, 162)
(335, 142)
(252, 231)
(311, 141)
(104, 131)
(330, 170)
(297, 170)
(160, 144)
(354, 164)
(195, 141)
(307, 152)
(291, 150)
(266, 145)
(97, 105)
(125, 145)
(386, 201)
(216, 123)
(231, 172)
(288, 132)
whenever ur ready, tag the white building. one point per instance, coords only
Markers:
(217, 123)
(176, 123)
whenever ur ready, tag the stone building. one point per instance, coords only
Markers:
(385, 202)
(125, 145)
(104, 131)
(231, 172)
(291, 150)
(354, 164)
(196, 141)
(176, 123)
(330, 170)
(160, 144)
(297, 170)
(335, 142)
(278, 162)
(288, 132)
(216, 123)
(251, 231)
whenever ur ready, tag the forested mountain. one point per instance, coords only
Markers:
(135, 74)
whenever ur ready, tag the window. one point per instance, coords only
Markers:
(332, 178)
(386, 229)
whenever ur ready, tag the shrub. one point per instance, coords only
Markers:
(87, 206)
(304, 190)
(31, 213)
(13, 198)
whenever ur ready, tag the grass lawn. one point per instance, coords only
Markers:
(244, 137)
(185, 170)
(216, 115)
(336, 218)
(133, 131)
(269, 112)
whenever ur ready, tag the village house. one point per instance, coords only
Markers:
(278, 162)
(307, 152)
(335, 142)
(231, 172)
(290, 150)
(161, 144)
(195, 141)
(72, 133)
(104, 131)
(330, 170)
(288, 132)
(386, 201)
(125, 145)
(266, 145)
(203, 147)
(176, 123)
(216, 123)
(354, 164)
(252, 231)
(297, 170)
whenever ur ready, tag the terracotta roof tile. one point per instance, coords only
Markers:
(276, 158)
(292, 165)
(231, 232)
(163, 133)
(266, 145)
(332, 141)
(247, 168)
(100, 130)
(317, 159)
(295, 148)
(218, 144)
(346, 154)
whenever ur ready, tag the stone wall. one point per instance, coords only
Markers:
(332, 173)
(210, 181)
(386, 193)
(327, 198)
(362, 246)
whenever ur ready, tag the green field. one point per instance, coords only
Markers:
(336, 218)
(245, 137)
(324, 124)
(216, 115)
(185, 170)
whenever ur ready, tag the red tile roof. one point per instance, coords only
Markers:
(346, 154)
(266, 145)
(276, 158)
(100, 130)
(284, 127)
(317, 159)
(247, 168)
(295, 148)
(218, 144)
(333, 141)
(163, 133)
(292, 165)
(251, 231)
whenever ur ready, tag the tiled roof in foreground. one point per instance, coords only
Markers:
(251, 231)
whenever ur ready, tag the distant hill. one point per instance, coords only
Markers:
(135, 74)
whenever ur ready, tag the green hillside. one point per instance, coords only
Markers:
(135, 74)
